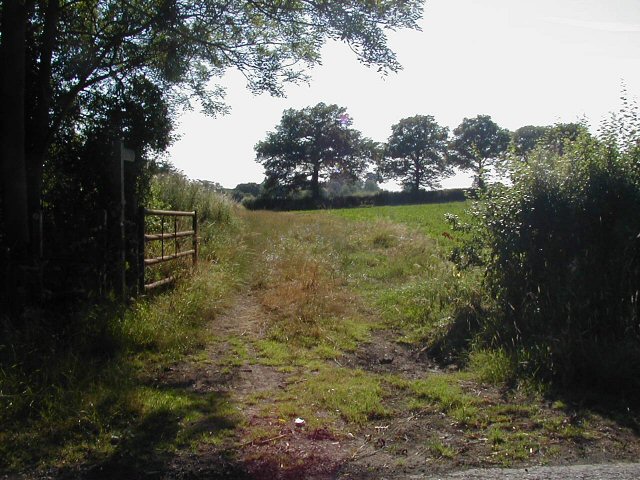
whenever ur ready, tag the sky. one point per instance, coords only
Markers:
(521, 62)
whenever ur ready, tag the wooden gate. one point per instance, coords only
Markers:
(167, 232)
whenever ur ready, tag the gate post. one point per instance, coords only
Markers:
(118, 210)
(116, 217)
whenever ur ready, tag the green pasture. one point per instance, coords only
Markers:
(428, 218)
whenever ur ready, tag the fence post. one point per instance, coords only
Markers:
(195, 238)
(141, 245)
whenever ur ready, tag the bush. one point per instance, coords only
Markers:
(561, 248)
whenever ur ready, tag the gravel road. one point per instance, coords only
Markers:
(617, 471)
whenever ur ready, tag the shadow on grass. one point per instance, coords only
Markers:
(604, 379)
(580, 400)
(599, 378)
(453, 345)
(149, 448)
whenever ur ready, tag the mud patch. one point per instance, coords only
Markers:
(383, 353)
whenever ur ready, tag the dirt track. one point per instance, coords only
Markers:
(393, 448)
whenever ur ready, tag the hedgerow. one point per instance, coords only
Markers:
(560, 245)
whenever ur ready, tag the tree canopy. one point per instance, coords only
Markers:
(310, 145)
(416, 153)
(554, 137)
(557, 136)
(524, 139)
(70, 50)
(477, 143)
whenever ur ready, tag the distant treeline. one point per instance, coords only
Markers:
(378, 199)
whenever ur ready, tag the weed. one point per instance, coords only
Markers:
(565, 428)
(383, 240)
(352, 395)
(496, 436)
(237, 353)
(439, 449)
(492, 366)
(274, 353)
(516, 446)
(466, 415)
(443, 392)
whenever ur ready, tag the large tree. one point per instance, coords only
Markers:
(553, 137)
(477, 143)
(525, 139)
(557, 136)
(416, 153)
(310, 145)
(55, 54)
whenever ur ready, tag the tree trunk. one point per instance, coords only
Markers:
(12, 124)
(480, 179)
(315, 182)
(38, 129)
(12, 144)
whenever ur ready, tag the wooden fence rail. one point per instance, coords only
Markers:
(165, 234)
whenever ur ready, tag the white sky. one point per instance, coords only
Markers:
(523, 62)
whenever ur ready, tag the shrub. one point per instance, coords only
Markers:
(561, 249)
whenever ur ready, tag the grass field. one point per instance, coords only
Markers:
(354, 320)
(429, 218)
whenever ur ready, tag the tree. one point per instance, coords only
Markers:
(63, 52)
(557, 136)
(250, 188)
(310, 145)
(12, 135)
(371, 183)
(524, 139)
(416, 153)
(552, 137)
(243, 190)
(477, 143)
(76, 186)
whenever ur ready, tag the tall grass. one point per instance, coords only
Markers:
(62, 399)
(298, 279)
(175, 191)
(217, 219)
(75, 378)
(399, 257)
